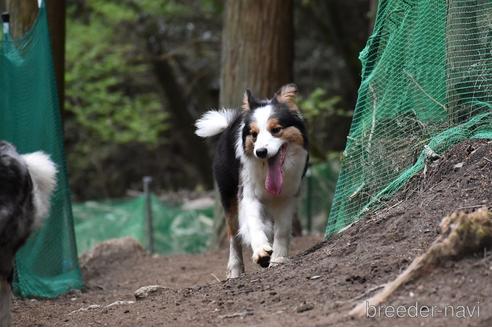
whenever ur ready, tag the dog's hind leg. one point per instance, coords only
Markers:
(235, 266)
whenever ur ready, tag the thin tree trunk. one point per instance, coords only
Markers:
(467, 55)
(56, 21)
(183, 122)
(22, 15)
(373, 8)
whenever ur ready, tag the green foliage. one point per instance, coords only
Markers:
(98, 85)
(318, 105)
(319, 109)
(96, 76)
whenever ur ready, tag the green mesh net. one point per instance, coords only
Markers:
(47, 265)
(175, 230)
(426, 85)
(317, 195)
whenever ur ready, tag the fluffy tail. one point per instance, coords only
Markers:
(214, 122)
(43, 175)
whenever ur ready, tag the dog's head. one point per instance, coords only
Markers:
(270, 127)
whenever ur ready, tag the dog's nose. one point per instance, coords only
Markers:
(261, 152)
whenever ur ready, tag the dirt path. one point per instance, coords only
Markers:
(319, 286)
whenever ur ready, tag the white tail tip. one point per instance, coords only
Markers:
(214, 122)
(43, 174)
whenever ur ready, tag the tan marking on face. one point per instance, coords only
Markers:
(249, 143)
(231, 217)
(253, 127)
(273, 123)
(292, 134)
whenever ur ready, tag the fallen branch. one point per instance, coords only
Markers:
(216, 278)
(461, 234)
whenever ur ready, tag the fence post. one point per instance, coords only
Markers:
(6, 22)
(309, 196)
(148, 214)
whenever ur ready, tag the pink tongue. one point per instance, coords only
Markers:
(274, 179)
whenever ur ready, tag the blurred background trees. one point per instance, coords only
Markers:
(139, 72)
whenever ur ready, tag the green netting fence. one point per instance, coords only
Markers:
(426, 85)
(174, 230)
(47, 265)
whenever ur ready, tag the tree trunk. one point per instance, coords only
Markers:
(22, 15)
(56, 21)
(257, 48)
(257, 54)
(195, 149)
(373, 10)
(467, 26)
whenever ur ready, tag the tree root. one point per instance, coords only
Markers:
(461, 234)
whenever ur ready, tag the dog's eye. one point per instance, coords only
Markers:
(276, 130)
(254, 135)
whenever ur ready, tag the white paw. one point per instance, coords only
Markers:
(262, 255)
(233, 273)
(278, 260)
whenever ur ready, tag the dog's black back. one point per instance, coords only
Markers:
(226, 164)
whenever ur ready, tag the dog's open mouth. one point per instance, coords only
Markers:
(275, 175)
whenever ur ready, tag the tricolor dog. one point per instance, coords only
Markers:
(26, 184)
(259, 163)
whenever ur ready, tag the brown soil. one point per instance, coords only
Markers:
(320, 285)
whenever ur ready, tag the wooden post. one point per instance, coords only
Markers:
(56, 21)
(149, 220)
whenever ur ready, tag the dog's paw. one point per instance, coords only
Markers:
(262, 255)
(234, 273)
(278, 260)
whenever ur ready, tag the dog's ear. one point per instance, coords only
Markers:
(287, 95)
(248, 100)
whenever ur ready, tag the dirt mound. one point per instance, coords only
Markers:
(110, 251)
(320, 285)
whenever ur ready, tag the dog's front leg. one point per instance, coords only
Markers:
(255, 229)
(284, 215)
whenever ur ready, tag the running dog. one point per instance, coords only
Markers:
(260, 161)
(26, 184)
